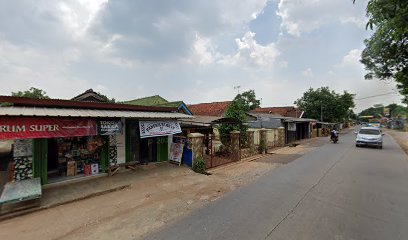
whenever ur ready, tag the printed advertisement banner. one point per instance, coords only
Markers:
(158, 128)
(36, 127)
(176, 152)
(109, 127)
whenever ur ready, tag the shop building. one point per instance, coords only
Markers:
(295, 129)
(58, 140)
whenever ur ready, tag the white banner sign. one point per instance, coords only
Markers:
(158, 128)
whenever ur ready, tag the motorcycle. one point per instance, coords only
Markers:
(334, 138)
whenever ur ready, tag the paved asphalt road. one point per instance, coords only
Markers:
(335, 192)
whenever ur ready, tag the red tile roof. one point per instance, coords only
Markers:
(216, 109)
(59, 103)
(283, 111)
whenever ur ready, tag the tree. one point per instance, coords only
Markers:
(106, 98)
(326, 105)
(386, 53)
(237, 110)
(395, 111)
(372, 111)
(31, 93)
(247, 100)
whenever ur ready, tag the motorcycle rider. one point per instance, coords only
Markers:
(334, 135)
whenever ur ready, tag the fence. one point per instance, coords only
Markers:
(272, 137)
(222, 149)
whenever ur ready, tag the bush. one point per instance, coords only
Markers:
(199, 165)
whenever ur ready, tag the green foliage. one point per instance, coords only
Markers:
(237, 110)
(353, 115)
(199, 165)
(110, 100)
(386, 52)
(335, 107)
(395, 111)
(31, 93)
(247, 100)
(372, 111)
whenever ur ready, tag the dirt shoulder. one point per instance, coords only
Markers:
(400, 137)
(156, 196)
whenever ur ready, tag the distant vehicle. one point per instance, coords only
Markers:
(374, 124)
(334, 136)
(364, 124)
(369, 136)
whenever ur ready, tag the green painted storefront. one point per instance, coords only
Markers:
(157, 150)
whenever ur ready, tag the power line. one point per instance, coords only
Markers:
(378, 95)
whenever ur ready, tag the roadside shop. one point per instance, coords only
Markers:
(51, 140)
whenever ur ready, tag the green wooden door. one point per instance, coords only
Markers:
(40, 157)
(162, 149)
(105, 154)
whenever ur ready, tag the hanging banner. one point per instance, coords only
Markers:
(36, 127)
(109, 127)
(158, 128)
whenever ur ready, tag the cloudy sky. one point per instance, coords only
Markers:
(195, 51)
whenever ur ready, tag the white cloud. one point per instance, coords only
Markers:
(349, 74)
(77, 16)
(250, 53)
(307, 72)
(24, 67)
(204, 50)
(66, 47)
(352, 59)
(358, 21)
(305, 16)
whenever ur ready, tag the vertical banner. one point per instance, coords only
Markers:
(176, 152)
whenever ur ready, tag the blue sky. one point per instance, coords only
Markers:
(196, 51)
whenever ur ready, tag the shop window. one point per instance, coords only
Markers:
(75, 156)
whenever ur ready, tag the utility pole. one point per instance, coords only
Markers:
(321, 111)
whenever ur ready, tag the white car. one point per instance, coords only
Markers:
(369, 136)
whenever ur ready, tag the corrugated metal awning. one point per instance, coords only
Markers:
(96, 113)
(299, 120)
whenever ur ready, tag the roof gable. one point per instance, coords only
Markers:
(180, 105)
(59, 103)
(289, 111)
(216, 109)
(90, 96)
(148, 101)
